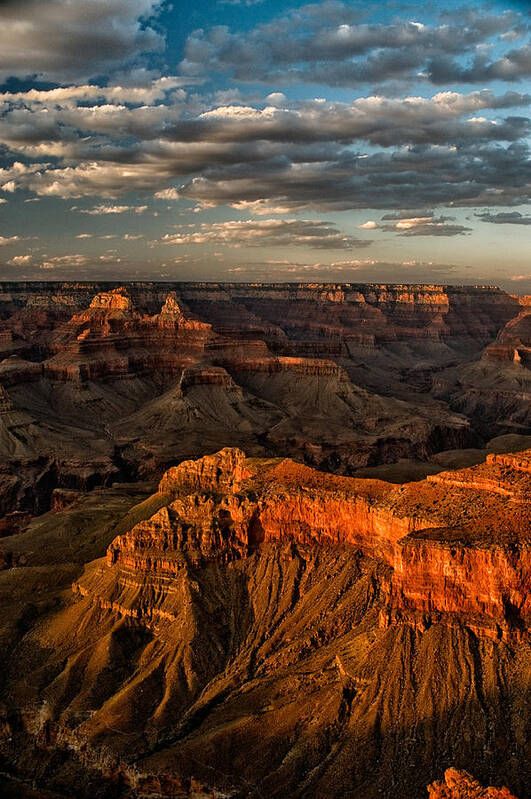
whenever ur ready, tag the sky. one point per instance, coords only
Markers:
(259, 140)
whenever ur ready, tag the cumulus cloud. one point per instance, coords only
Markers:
(226, 134)
(283, 160)
(268, 232)
(140, 138)
(167, 194)
(429, 227)
(265, 207)
(434, 175)
(327, 43)
(513, 66)
(7, 240)
(20, 260)
(147, 93)
(64, 261)
(61, 40)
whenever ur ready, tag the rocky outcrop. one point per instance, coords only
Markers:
(308, 367)
(113, 300)
(340, 621)
(206, 376)
(219, 473)
(15, 370)
(460, 785)
(495, 391)
(513, 342)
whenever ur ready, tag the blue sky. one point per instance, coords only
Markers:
(337, 141)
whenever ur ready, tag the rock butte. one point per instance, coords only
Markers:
(458, 544)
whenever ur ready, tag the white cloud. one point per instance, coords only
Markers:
(20, 260)
(267, 232)
(114, 94)
(64, 261)
(262, 207)
(276, 98)
(167, 194)
(427, 225)
(103, 210)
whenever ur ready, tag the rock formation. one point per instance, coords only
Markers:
(191, 608)
(262, 628)
(338, 376)
(460, 785)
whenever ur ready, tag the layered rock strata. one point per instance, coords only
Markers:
(458, 543)
(260, 623)
(336, 375)
(495, 390)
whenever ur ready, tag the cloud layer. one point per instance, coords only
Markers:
(329, 126)
(268, 232)
(61, 40)
(327, 43)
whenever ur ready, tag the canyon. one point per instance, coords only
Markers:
(103, 382)
(257, 627)
(264, 540)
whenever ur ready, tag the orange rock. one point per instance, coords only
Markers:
(457, 548)
(460, 785)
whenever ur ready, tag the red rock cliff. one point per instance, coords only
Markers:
(457, 545)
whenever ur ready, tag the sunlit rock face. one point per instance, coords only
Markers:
(301, 630)
(460, 785)
(457, 543)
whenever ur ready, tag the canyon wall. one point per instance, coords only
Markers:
(458, 543)
(258, 622)
(140, 376)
